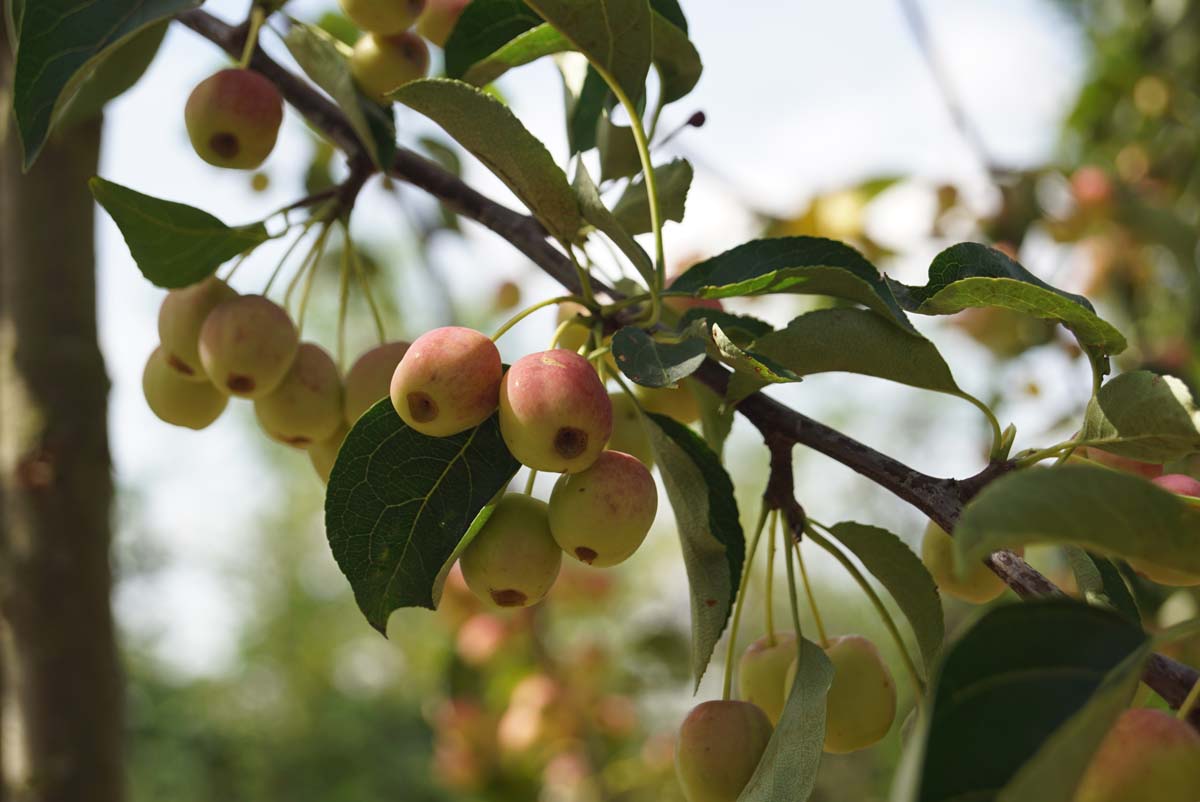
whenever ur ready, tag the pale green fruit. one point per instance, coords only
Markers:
(1148, 756)
(323, 453)
(628, 434)
(979, 586)
(677, 402)
(179, 320)
(554, 412)
(763, 671)
(861, 704)
(383, 64)
(383, 16)
(233, 119)
(177, 400)
(306, 407)
(247, 345)
(513, 560)
(370, 377)
(439, 19)
(447, 382)
(600, 516)
(720, 745)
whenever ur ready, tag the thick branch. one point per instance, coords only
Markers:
(941, 499)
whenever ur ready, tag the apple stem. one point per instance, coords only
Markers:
(1189, 704)
(769, 602)
(812, 599)
(530, 482)
(257, 15)
(365, 284)
(727, 690)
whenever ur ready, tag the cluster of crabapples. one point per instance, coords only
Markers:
(215, 343)
(233, 116)
(555, 416)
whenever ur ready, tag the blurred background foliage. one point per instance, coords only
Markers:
(578, 700)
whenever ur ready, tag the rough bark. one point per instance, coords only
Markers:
(62, 705)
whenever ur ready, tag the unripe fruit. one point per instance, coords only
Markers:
(179, 320)
(370, 378)
(323, 453)
(979, 586)
(448, 381)
(382, 64)
(306, 407)
(247, 345)
(677, 402)
(177, 400)
(513, 560)
(720, 746)
(1183, 485)
(233, 119)
(554, 412)
(763, 672)
(439, 19)
(628, 435)
(1147, 469)
(1148, 756)
(383, 16)
(861, 704)
(601, 515)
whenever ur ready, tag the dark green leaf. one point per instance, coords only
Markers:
(1103, 510)
(710, 531)
(973, 275)
(115, 73)
(173, 244)
(400, 503)
(1100, 582)
(904, 576)
(651, 363)
(323, 59)
(751, 365)
(671, 10)
(485, 27)
(742, 328)
(807, 265)
(443, 154)
(1006, 687)
(788, 769)
(489, 130)
(1144, 416)
(58, 44)
(851, 341)
(615, 35)
(633, 209)
(586, 110)
(716, 417)
(619, 156)
(596, 213)
(525, 49)
(676, 59)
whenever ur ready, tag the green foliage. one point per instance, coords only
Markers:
(632, 210)
(1110, 512)
(399, 505)
(597, 214)
(1101, 583)
(173, 244)
(617, 36)
(1003, 689)
(59, 43)
(116, 72)
(485, 28)
(706, 514)
(1144, 416)
(651, 363)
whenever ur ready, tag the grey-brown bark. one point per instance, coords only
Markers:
(62, 706)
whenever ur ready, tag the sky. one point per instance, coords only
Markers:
(800, 98)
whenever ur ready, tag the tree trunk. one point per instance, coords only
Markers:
(62, 734)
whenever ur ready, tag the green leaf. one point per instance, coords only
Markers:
(716, 417)
(972, 275)
(59, 42)
(710, 531)
(524, 49)
(619, 156)
(1099, 509)
(788, 769)
(676, 59)
(1144, 416)
(673, 13)
(751, 365)
(1003, 689)
(651, 363)
(596, 213)
(904, 576)
(1100, 582)
(115, 73)
(633, 209)
(742, 328)
(400, 503)
(615, 35)
(486, 27)
(806, 265)
(851, 341)
(173, 244)
(585, 111)
(490, 131)
(324, 59)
